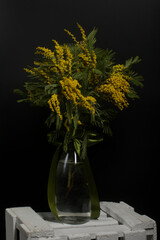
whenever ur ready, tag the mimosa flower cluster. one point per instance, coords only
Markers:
(82, 86)
(116, 87)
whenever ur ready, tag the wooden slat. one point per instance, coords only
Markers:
(24, 232)
(92, 223)
(107, 236)
(93, 231)
(125, 215)
(135, 235)
(45, 238)
(10, 225)
(34, 224)
(81, 236)
(146, 222)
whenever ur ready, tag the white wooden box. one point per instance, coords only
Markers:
(117, 221)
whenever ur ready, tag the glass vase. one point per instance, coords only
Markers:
(72, 193)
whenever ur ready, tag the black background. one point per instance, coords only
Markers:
(126, 166)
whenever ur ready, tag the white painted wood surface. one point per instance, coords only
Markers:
(28, 222)
(126, 215)
(118, 221)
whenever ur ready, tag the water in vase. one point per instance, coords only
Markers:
(72, 193)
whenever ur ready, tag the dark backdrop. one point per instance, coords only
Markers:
(125, 166)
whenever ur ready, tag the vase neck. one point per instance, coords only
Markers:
(71, 154)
